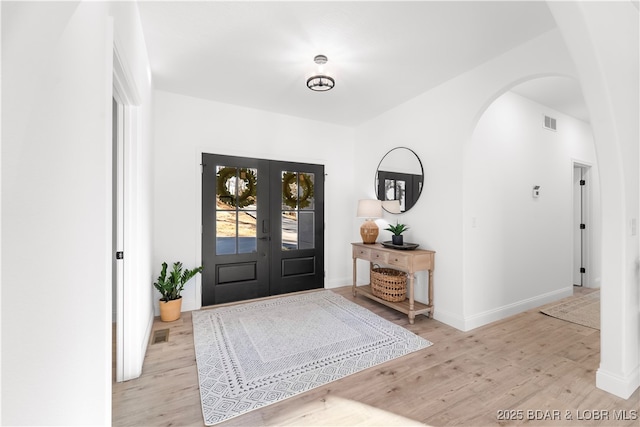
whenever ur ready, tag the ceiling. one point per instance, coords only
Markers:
(560, 93)
(381, 54)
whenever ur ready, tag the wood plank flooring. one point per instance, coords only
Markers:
(528, 369)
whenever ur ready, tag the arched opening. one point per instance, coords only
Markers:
(602, 39)
(518, 205)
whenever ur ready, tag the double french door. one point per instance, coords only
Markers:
(262, 228)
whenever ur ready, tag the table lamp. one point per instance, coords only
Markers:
(369, 209)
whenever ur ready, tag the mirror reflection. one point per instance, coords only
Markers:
(400, 176)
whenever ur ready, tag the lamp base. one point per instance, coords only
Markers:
(369, 232)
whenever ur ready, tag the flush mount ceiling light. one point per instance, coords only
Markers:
(320, 82)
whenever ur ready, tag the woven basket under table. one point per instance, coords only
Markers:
(388, 284)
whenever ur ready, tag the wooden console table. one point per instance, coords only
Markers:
(408, 261)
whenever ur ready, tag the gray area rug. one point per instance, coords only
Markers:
(583, 310)
(255, 354)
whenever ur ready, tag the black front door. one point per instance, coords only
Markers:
(262, 231)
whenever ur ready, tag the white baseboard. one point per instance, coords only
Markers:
(448, 318)
(489, 316)
(147, 337)
(135, 371)
(338, 283)
(619, 386)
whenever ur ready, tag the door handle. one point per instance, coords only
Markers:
(263, 238)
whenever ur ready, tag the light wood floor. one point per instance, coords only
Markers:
(528, 362)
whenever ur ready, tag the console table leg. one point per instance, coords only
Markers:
(430, 289)
(412, 307)
(354, 277)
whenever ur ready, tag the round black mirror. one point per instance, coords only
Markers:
(400, 177)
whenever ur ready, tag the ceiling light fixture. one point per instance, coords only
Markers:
(320, 82)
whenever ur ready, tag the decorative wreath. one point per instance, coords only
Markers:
(247, 197)
(290, 182)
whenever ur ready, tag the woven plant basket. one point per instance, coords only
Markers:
(388, 284)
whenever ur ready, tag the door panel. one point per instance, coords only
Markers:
(263, 228)
(297, 240)
(235, 195)
(234, 273)
(579, 232)
(298, 266)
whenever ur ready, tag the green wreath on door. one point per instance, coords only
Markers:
(290, 179)
(244, 199)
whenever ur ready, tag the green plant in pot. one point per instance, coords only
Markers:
(170, 286)
(397, 231)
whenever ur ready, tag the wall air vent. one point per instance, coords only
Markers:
(549, 123)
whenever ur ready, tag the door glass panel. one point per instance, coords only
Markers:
(247, 188)
(306, 224)
(289, 230)
(395, 190)
(289, 190)
(298, 216)
(226, 187)
(400, 194)
(247, 237)
(390, 189)
(306, 198)
(236, 210)
(226, 232)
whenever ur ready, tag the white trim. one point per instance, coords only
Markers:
(108, 226)
(622, 387)
(197, 304)
(484, 318)
(120, 279)
(129, 355)
(122, 77)
(587, 206)
(147, 337)
(449, 318)
(338, 282)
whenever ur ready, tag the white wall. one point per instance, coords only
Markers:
(437, 125)
(56, 206)
(518, 249)
(185, 127)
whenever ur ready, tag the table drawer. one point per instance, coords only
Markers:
(379, 256)
(399, 260)
(362, 253)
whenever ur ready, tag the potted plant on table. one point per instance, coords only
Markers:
(170, 287)
(397, 231)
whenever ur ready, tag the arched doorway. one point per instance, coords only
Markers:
(518, 199)
(602, 39)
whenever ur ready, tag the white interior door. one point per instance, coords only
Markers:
(577, 232)
(118, 235)
(581, 226)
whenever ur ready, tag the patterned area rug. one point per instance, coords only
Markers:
(255, 354)
(583, 310)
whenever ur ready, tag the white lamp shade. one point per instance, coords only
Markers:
(369, 208)
(391, 206)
